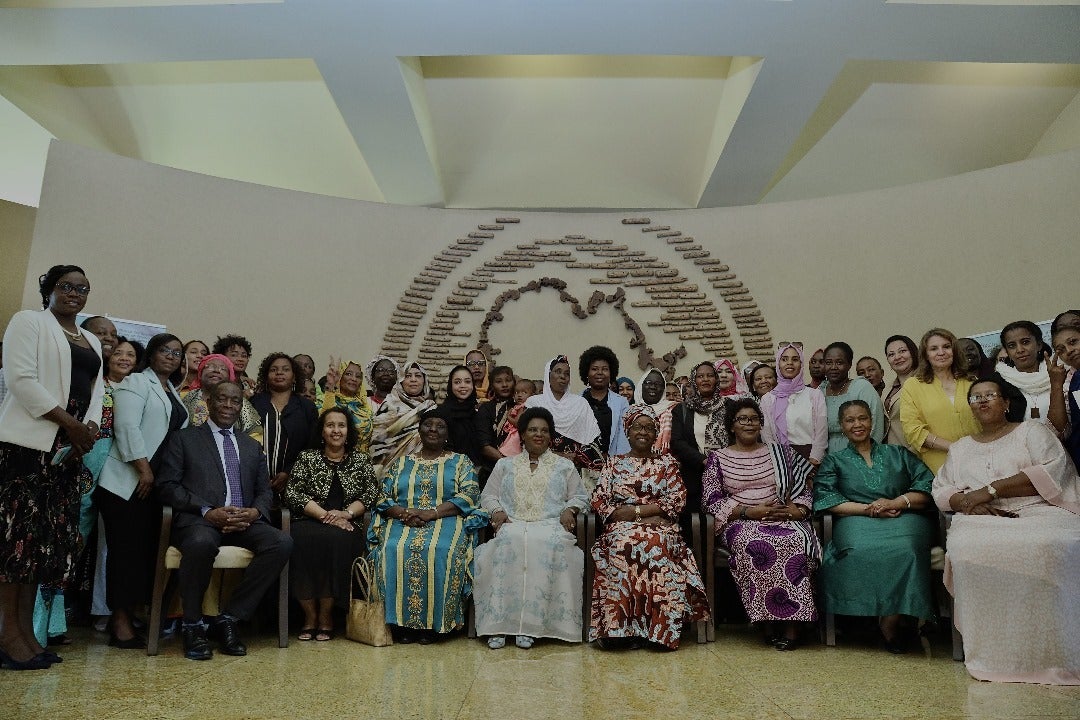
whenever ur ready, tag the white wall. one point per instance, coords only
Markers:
(307, 273)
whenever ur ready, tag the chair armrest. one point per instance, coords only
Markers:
(166, 529)
(286, 521)
(826, 526)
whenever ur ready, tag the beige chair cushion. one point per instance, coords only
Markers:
(229, 556)
(937, 558)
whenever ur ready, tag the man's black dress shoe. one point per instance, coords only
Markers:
(195, 645)
(229, 637)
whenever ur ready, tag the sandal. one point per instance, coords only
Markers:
(785, 643)
(306, 634)
(324, 635)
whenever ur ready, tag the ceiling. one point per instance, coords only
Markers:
(560, 104)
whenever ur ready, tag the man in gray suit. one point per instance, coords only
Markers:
(219, 488)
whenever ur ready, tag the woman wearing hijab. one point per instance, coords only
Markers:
(346, 389)
(478, 365)
(699, 425)
(459, 408)
(795, 414)
(395, 427)
(577, 434)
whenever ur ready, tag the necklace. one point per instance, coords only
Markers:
(77, 335)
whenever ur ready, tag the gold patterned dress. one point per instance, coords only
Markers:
(425, 572)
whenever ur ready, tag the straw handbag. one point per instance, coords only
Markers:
(366, 621)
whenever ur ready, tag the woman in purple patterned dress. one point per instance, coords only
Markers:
(761, 498)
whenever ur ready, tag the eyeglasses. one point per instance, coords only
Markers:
(66, 287)
(476, 363)
(785, 343)
(171, 353)
(747, 419)
(974, 399)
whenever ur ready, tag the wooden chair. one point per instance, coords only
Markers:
(229, 557)
(585, 537)
(709, 557)
(948, 606)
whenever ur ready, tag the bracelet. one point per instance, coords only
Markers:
(907, 501)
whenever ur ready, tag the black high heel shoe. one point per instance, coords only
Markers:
(34, 663)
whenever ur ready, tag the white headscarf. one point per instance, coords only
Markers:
(663, 403)
(573, 416)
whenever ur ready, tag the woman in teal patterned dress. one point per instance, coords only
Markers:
(878, 561)
(423, 535)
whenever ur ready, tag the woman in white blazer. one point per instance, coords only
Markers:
(51, 412)
(146, 408)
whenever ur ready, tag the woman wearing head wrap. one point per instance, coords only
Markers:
(651, 390)
(348, 392)
(795, 414)
(212, 370)
(647, 583)
(577, 433)
(395, 427)
(423, 533)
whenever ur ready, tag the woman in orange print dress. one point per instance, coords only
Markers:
(647, 583)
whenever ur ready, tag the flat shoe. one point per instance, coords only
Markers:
(496, 642)
(524, 641)
(306, 634)
(59, 640)
(132, 643)
(784, 643)
(324, 635)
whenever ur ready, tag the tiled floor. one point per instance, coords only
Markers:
(735, 677)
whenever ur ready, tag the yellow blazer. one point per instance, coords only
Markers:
(925, 410)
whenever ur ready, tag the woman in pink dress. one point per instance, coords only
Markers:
(761, 498)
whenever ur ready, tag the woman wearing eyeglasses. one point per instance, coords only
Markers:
(48, 421)
(1014, 542)
(146, 408)
(761, 497)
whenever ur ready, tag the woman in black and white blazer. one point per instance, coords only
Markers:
(50, 415)
(146, 408)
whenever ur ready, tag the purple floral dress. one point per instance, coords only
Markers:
(771, 562)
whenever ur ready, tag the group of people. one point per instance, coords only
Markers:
(481, 493)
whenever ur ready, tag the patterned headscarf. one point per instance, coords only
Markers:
(736, 388)
(784, 389)
(197, 382)
(637, 411)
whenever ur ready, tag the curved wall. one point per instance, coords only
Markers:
(322, 275)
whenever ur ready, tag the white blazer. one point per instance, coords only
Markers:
(141, 412)
(37, 368)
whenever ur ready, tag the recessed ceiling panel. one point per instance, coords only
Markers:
(271, 122)
(887, 124)
(578, 131)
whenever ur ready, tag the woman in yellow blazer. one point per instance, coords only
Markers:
(934, 411)
(48, 420)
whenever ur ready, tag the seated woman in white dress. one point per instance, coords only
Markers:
(1013, 562)
(528, 578)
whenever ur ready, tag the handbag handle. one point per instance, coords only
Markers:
(363, 571)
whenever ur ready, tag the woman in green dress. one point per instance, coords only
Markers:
(878, 561)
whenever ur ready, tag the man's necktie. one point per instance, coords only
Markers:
(232, 469)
